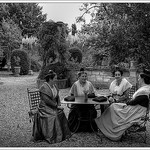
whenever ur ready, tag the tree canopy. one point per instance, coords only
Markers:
(121, 30)
(28, 16)
(52, 36)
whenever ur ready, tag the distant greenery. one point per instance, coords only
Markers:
(27, 16)
(17, 20)
(119, 30)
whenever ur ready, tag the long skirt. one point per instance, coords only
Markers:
(117, 118)
(50, 125)
(87, 113)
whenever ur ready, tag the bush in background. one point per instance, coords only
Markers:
(35, 66)
(59, 68)
(23, 63)
(76, 54)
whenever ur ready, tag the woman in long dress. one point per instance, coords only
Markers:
(86, 111)
(120, 116)
(119, 89)
(50, 123)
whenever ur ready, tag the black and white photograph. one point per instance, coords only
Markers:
(74, 74)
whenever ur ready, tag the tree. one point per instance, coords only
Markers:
(122, 29)
(10, 36)
(74, 29)
(52, 37)
(28, 16)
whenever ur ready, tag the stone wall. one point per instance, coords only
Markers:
(102, 79)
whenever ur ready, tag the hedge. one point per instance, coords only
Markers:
(24, 61)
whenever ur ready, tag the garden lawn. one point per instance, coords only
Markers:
(16, 130)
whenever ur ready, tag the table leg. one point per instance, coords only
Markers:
(74, 123)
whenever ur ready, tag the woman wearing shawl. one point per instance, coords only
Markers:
(78, 89)
(119, 89)
(50, 122)
(120, 116)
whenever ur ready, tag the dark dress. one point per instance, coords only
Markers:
(50, 124)
(86, 112)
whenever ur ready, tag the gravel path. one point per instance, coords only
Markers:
(15, 128)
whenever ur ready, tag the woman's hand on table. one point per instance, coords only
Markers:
(111, 100)
(59, 107)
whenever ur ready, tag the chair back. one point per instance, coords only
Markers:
(132, 91)
(34, 98)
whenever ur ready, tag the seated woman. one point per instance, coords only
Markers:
(50, 123)
(120, 116)
(87, 110)
(119, 88)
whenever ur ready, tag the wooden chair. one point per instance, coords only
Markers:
(34, 99)
(140, 127)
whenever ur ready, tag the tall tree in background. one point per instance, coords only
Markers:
(28, 16)
(52, 36)
(17, 20)
(74, 29)
(121, 30)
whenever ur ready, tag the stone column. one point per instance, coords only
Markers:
(133, 73)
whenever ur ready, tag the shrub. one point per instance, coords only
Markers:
(35, 66)
(72, 65)
(76, 54)
(58, 67)
(23, 63)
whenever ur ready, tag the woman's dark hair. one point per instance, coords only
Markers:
(51, 74)
(82, 69)
(117, 69)
(145, 78)
(80, 73)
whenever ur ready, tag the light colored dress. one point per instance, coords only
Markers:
(50, 124)
(119, 89)
(77, 89)
(119, 116)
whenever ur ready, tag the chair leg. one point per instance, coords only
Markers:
(145, 138)
(123, 136)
